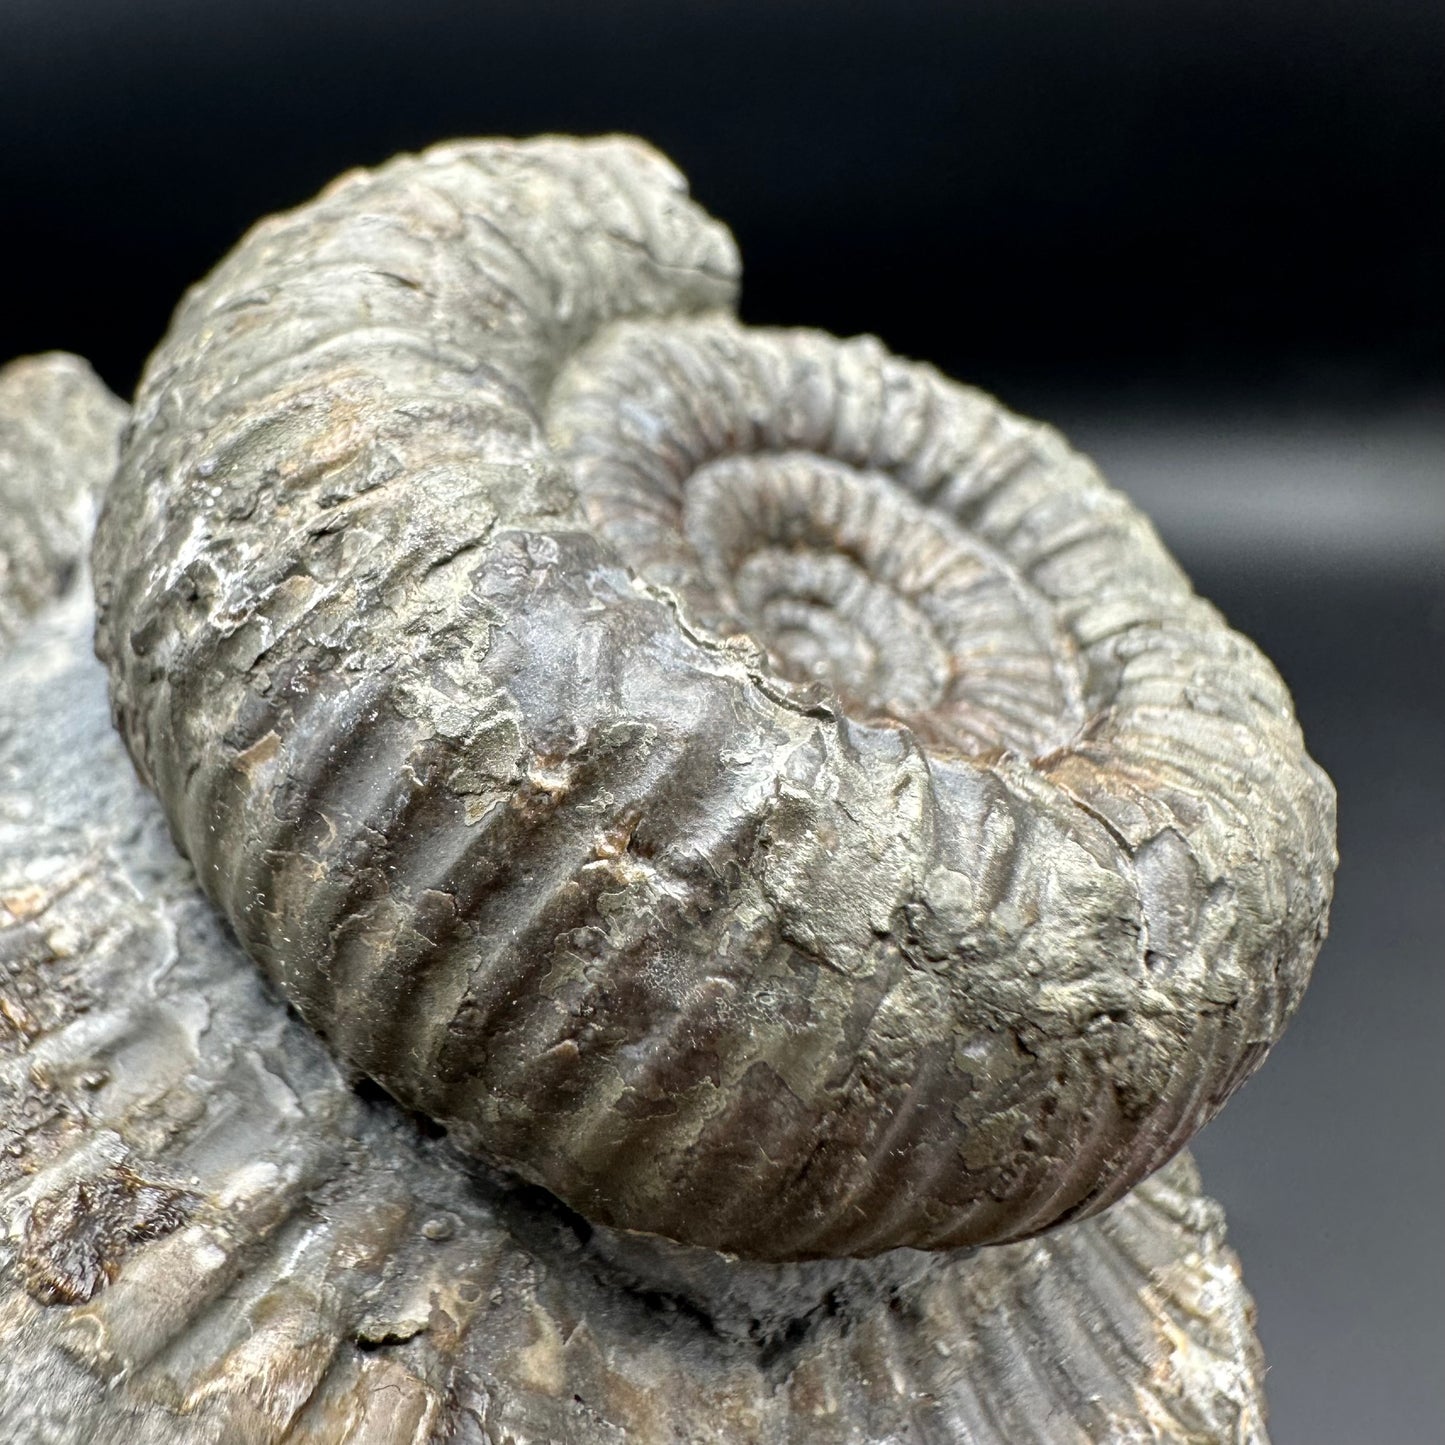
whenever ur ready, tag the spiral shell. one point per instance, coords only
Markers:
(756, 788)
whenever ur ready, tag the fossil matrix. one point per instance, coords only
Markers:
(753, 787)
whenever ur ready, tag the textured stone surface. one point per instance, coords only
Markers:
(758, 789)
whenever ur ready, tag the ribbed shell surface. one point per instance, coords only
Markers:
(751, 785)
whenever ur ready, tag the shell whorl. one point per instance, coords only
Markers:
(759, 789)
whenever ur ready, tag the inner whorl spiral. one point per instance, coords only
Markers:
(784, 485)
(758, 789)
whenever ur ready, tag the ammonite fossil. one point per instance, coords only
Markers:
(750, 785)
(208, 1237)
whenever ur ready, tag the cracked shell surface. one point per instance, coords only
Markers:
(760, 790)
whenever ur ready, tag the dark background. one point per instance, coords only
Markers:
(1206, 237)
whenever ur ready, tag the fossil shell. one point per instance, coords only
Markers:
(758, 789)
(207, 1237)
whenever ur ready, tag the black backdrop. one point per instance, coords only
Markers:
(1206, 236)
(1224, 191)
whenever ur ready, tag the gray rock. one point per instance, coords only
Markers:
(59, 438)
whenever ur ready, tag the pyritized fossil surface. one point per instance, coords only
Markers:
(750, 785)
(758, 789)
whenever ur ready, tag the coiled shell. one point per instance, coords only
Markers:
(760, 790)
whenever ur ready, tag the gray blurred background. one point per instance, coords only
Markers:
(1204, 238)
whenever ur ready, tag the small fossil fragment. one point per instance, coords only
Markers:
(59, 436)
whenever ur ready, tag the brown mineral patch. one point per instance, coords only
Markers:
(21, 904)
(261, 751)
(76, 1240)
(31, 999)
(35, 1126)
(44, 935)
(18, 1017)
